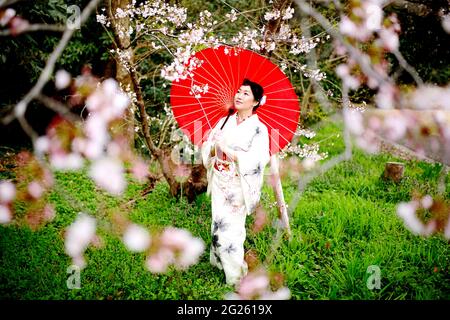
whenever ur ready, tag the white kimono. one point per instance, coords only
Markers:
(235, 192)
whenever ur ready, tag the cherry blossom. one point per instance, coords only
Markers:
(446, 23)
(78, 236)
(407, 211)
(108, 173)
(63, 79)
(35, 189)
(6, 17)
(136, 238)
(256, 286)
(5, 214)
(177, 247)
(7, 191)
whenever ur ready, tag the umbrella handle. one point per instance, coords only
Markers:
(230, 111)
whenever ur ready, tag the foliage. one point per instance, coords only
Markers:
(344, 223)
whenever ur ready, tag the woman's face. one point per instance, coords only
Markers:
(244, 99)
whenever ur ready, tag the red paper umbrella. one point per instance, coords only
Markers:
(205, 96)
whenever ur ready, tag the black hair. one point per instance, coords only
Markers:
(257, 91)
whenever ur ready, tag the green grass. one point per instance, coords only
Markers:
(344, 223)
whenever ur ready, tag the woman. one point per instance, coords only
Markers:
(235, 157)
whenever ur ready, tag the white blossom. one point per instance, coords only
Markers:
(232, 15)
(136, 238)
(7, 191)
(446, 23)
(288, 13)
(5, 214)
(63, 79)
(7, 16)
(108, 174)
(427, 202)
(407, 211)
(272, 15)
(35, 189)
(79, 234)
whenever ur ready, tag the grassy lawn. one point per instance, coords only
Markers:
(344, 223)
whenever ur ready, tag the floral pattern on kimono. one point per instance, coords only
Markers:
(235, 192)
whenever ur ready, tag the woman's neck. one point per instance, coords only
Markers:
(244, 114)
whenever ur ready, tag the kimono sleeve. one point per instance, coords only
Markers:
(251, 164)
(207, 159)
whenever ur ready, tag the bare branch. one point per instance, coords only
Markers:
(36, 27)
(7, 3)
(58, 107)
(405, 65)
(418, 9)
(21, 107)
(360, 57)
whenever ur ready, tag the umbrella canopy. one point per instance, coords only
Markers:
(206, 95)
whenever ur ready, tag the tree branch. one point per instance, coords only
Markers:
(418, 9)
(21, 107)
(36, 27)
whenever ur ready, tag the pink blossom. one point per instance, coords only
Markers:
(374, 123)
(108, 101)
(373, 15)
(395, 127)
(182, 172)
(62, 79)
(35, 189)
(427, 202)
(18, 25)
(348, 27)
(430, 97)
(136, 238)
(108, 174)
(66, 161)
(191, 253)
(79, 261)
(343, 71)
(7, 191)
(385, 98)
(308, 164)
(160, 261)
(368, 141)
(79, 234)
(281, 294)
(447, 230)
(446, 23)
(253, 285)
(49, 212)
(187, 247)
(407, 211)
(177, 238)
(5, 214)
(7, 16)
(42, 145)
(354, 121)
(389, 39)
(140, 170)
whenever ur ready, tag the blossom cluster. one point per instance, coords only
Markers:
(310, 151)
(7, 195)
(14, 23)
(366, 24)
(413, 215)
(425, 132)
(257, 285)
(157, 14)
(174, 247)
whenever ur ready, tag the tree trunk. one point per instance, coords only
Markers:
(394, 171)
(196, 183)
(122, 73)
